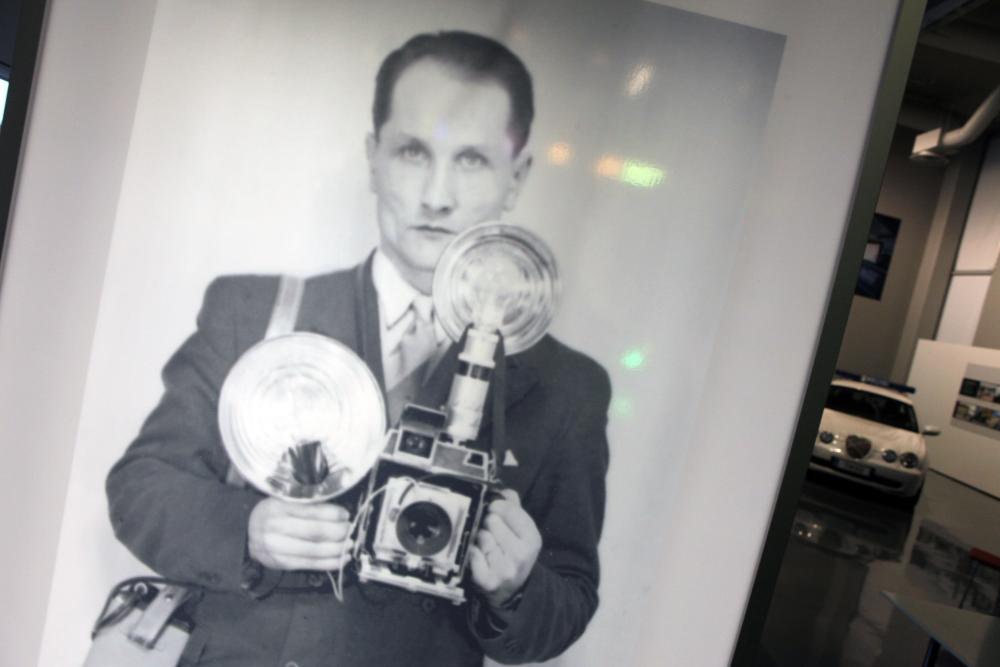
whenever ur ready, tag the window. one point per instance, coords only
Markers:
(874, 407)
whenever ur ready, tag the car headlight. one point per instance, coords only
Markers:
(889, 455)
(825, 437)
(909, 460)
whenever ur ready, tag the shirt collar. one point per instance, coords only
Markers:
(394, 294)
(394, 297)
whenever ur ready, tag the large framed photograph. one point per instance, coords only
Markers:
(642, 169)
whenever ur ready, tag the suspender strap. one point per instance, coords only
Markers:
(286, 306)
(284, 314)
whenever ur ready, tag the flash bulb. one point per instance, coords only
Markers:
(301, 417)
(497, 277)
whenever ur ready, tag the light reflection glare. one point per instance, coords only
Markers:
(630, 172)
(633, 359)
(641, 175)
(609, 166)
(638, 79)
(560, 153)
(621, 406)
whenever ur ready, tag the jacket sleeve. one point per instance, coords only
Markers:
(560, 595)
(167, 496)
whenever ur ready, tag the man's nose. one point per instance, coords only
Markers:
(439, 191)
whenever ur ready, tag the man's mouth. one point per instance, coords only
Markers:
(434, 229)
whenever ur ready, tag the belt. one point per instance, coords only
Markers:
(299, 582)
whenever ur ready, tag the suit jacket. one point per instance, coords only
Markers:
(170, 506)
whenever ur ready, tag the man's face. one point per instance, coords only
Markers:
(443, 161)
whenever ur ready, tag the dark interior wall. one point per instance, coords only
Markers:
(9, 10)
(874, 328)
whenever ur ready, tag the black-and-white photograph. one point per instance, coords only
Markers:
(342, 493)
(407, 321)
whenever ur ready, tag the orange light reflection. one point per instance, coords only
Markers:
(560, 153)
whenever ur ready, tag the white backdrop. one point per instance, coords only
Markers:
(246, 155)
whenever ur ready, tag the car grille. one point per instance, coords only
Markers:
(858, 447)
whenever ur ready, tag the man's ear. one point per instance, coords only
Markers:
(522, 167)
(371, 143)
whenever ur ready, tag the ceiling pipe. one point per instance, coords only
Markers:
(936, 145)
(920, 118)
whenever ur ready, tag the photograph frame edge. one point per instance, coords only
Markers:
(23, 74)
(888, 98)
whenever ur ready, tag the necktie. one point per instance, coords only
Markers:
(417, 344)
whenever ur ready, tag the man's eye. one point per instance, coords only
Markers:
(471, 161)
(413, 153)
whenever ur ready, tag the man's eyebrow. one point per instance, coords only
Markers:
(409, 139)
(482, 149)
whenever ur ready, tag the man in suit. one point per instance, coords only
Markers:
(451, 119)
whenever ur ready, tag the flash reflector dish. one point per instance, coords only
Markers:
(497, 277)
(301, 417)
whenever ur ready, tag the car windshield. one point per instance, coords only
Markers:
(875, 407)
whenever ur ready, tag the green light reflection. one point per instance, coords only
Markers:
(621, 406)
(633, 359)
(641, 175)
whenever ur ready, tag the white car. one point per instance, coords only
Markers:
(869, 434)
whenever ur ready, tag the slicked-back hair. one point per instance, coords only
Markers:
(478, 57)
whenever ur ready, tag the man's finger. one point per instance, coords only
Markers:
(292, 547)
(482, 576)
(519, 521)
(317, 511)
(511, 495)
(486, 540)
(506, 539)
(310, 529)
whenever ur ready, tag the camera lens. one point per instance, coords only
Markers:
(423, 528)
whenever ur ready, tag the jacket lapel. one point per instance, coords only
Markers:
(522, 374)
(344, 306)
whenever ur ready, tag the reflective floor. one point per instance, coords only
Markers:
(849, 545)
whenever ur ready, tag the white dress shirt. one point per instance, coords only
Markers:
(395, 296)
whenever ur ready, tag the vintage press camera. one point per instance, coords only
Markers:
(429, 488)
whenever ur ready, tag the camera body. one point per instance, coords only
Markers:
(425, 499)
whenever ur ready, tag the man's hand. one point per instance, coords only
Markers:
(290, 536)
(506, 549)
